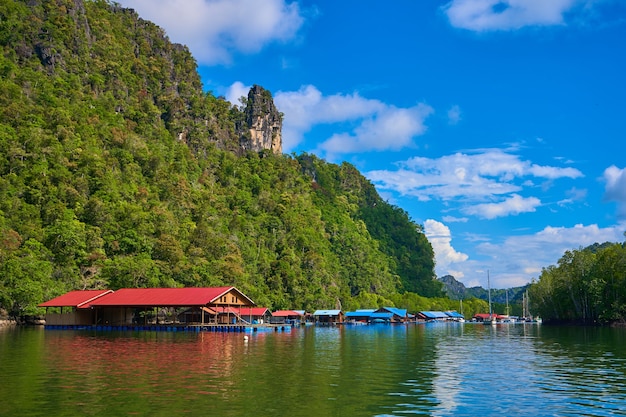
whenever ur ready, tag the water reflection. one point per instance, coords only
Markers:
(441, 370)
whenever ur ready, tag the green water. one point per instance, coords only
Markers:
(380, 370)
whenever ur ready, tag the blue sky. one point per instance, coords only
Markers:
(498, 125)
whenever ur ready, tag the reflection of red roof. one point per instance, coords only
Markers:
(78, 299)
(285, 313)
(245, 311)
(164, 297)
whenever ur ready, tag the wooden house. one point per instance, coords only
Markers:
(398, 315)
(72, 308)
(359, 316)
(328, 317)
(293, 317)
(245, 315)
(432, 316)
(130, 306)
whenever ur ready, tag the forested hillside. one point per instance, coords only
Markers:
(587, 285)
(118, 170)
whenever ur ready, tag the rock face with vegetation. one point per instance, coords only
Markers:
(263, 123)
(118, 170)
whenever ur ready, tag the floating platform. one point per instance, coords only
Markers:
(224, 328)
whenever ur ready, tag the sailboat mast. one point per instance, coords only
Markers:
(507, 301)
(489, 292)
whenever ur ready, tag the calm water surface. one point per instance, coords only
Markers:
(379, 370)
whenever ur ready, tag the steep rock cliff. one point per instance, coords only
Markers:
(262, 127)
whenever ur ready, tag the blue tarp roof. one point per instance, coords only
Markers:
(434, 314)
(358, 313)
(454, 314)
(396, 311)
(381, 316)
(327, 312)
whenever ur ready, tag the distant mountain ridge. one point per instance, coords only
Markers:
(458, 291)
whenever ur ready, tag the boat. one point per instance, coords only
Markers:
(526, 316)
(508, 319)
(492, 318)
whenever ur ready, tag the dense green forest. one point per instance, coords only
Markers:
(118, 170)
(587, 286)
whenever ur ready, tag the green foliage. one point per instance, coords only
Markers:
(588, 285)
(117, 170)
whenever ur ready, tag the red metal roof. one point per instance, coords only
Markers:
(285, 313)
(164, 297)
(78, 299)
(486, 315)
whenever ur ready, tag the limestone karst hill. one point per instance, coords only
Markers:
(118, 170)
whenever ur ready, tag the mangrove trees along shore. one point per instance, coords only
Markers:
(587, 285)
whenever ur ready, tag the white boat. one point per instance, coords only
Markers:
(527, 317)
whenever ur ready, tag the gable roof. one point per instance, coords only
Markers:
(327, 312)
(396, 311)
(165, 297)
(286, 313)
(433, 314)
(359, 313)
(454, 314)
(78, 299)
(382, 315)
(486, 315)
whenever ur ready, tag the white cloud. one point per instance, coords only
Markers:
(479, 177)
(553, 172)
(513, 205)
(615, 189)
(236, 91)
(530, 253)
(391, 128)
(216, 29)
(376, 125)
(454, 115)
(486, 15)
(439, 236)
(574, 194)
(452, 219)
(518, 259)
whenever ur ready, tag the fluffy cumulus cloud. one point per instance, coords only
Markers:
(486, 15)
(374, 124)
(214, 30)
(516, 260)
(439, 236)
(391, 128)
(615, 188)
(521, 258)
(236, 91)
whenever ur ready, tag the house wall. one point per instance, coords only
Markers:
(76, 317)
